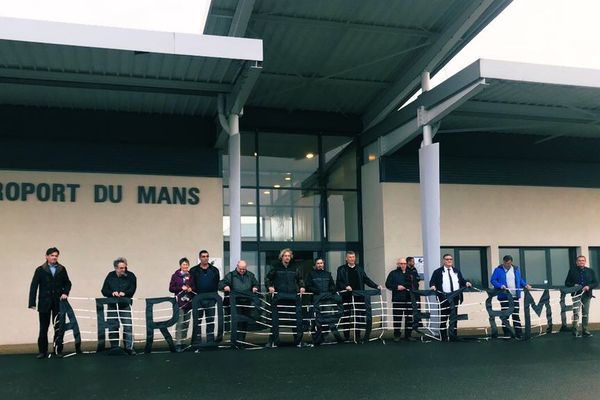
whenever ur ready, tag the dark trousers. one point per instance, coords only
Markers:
(45, 319)
(243, 309)
(585, 311)
(354, 315)
(318, 336)
(120, 313)
(447, 327)
(207, 311)
(402, 310)
(516, 318)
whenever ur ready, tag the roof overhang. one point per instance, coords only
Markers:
(65, 65)
(503, 97)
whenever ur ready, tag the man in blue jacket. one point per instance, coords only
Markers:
(508, 278)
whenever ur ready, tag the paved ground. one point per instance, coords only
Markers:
(551, 367)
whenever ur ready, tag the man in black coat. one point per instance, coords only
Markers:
(54, 285)
(320, 282)
(285, 277)
(401, 281)
(445, 280)
(584, 277)
(206, 278)
(120, 284)
(352, 276)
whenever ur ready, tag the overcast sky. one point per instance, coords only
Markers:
(559, 32)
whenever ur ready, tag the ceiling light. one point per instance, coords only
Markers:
(266, 192)
(276, 186)
(310, 155)
(287, 178)
(372, 157)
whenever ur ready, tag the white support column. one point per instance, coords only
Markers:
(429, 177)
(235, 205)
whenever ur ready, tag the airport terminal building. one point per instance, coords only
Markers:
(281, 127)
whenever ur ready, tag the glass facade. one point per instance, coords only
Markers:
(542, 266)
(298, 191)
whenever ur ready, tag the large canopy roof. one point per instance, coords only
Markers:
(351, 60)
(501, 97)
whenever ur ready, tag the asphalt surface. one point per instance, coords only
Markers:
(555, 366)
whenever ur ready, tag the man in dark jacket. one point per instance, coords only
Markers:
(584, 277)
(120, 284)
(445, 280)
(285, 278)
(352, 276)
(243, 281)
(401, 281)
(206, 278)
(54, 285)
(182, 285)
(320, 282)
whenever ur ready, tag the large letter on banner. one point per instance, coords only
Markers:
(530, 303)
(504, 315)
(564, 307)
(240, 315)
(103, 324)
(417, 314)
(205, 303)
(454, 299)
(286, 298)
(367, 294)
(328, 309)
(65, 310)
(163, 326)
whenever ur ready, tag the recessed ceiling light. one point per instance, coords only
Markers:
(276, 186)
(287, 178)
(310, 155)
(255, 154)
(266, 192)
(372, 157)
(250, 203)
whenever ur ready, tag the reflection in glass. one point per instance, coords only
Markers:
(247, 162)
(342, 223)
(535, 267)
(560, 263)
(289, 215)
(248, 214)
(470, 266)
(284, 160)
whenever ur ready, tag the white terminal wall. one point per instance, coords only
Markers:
(476, 215)
(153, 237)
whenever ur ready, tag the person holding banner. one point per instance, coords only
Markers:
(120, 284)
(446, 280)
(285, 278)
(586, 278)
(401, 281)
(182, 285)
(320, 283)
(508, 277)
(206, 278)
(243, 281)
(53, 282)
(352, 276)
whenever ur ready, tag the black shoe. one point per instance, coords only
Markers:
(131, 352)
(41, 356)
(178, 348)
(58, 354)
(587, 333)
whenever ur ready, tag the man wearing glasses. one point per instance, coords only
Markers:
(444, 281)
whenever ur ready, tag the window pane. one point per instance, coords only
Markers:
(342, 208)
(342, 174)
(446, 250)
(470, 266)
(249, 220)
(594, 261)
(560, 263)
(290, 215)
(251, 258)
(535, 267)
(510, 251)
(288, 160)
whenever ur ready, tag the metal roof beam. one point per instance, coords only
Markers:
(242, 89)
(328, 23)
(527, 112)
(409, 82)
(108, 82)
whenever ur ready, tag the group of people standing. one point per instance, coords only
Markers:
(52, 284)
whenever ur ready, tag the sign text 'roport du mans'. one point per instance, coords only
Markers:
(69, 192)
